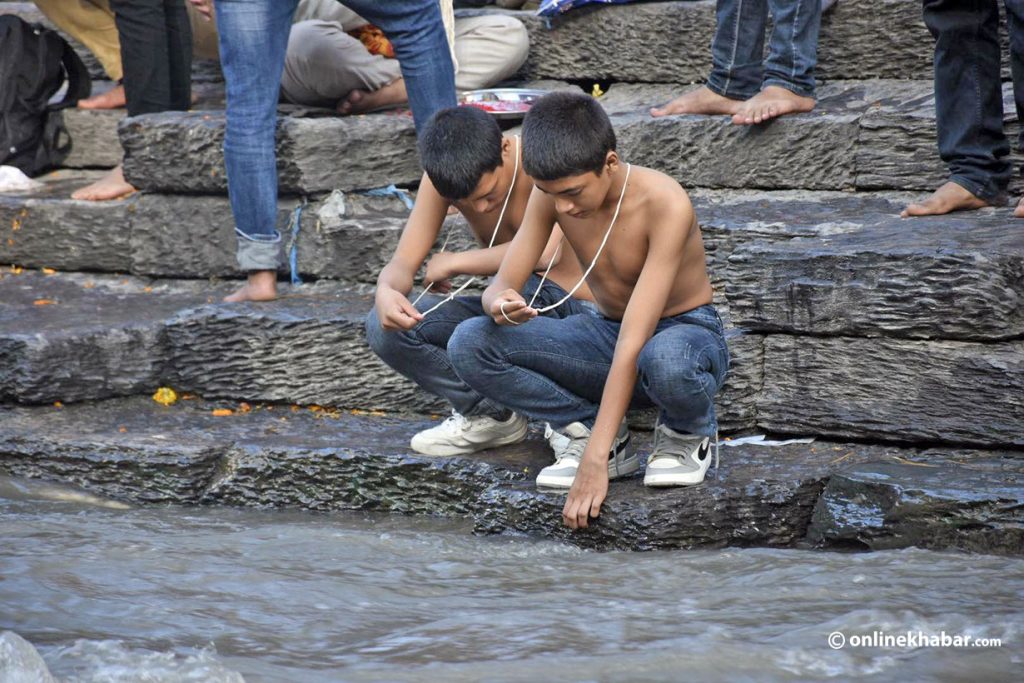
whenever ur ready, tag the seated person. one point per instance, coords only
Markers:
(469, 165)
(325, 66)
(657, 341)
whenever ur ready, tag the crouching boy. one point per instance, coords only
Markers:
(657, 340)
(470, 165)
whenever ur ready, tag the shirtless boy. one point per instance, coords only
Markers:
(658, 340)
(471, 166)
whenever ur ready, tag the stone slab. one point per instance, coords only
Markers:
(974, 505)
(49, 229)
(137, 451)
(671, 42)
(94, 141)
(894, 389)
(182, 152)
(847, 265)
(77, 337)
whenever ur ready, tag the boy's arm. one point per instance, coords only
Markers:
(484, 261)
(524, 252)
(666, 243)
(396, 278)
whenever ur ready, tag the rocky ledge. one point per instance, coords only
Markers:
(827, 495)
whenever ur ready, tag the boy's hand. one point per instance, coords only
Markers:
(440, 269)
(394, 311)
(510, 308)
(589, 489)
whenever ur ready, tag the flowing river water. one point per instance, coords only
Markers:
(167, 594)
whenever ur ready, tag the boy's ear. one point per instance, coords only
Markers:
(611, 161)
(506, 148)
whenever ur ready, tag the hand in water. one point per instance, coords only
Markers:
(589, 489)
(510, 308)
(395, 312)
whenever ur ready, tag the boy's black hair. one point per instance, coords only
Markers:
(457, 146)
(566, 134)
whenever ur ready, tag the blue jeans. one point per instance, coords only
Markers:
(421, 354)
(739, 70)
(555, 369)
(253, 39)
(969, 93)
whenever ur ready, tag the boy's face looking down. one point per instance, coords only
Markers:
(493, 186)
(580, 196)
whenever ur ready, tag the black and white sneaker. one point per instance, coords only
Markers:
(569, 444)
(677, 459)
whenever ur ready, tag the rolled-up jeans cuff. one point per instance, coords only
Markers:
(801, 90)
(990, 194)
(716, 86)
(258, 252)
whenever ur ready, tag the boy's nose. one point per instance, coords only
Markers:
(563, 206)
(483, 206)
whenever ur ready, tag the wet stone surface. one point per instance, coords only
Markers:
(273, 456)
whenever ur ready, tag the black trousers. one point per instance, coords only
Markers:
(968, 89)
(156, 54)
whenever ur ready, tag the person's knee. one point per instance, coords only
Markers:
(467, 344)
(387, 344)
(671, 372)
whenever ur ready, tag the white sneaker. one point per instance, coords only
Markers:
(459, 435)
(569, 444)
(677, 459)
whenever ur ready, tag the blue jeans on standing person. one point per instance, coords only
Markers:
(253, 39)
(969, 91)
(555, 369)
(739, 68)
(421, 354)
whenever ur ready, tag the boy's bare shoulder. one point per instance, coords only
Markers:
(661, 195)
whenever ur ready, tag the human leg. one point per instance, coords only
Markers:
(489, 48)
(737, 70)
(178, 32)
(324, 64)
(968, 106)
(253, 38)
(92, 24)
(788, 86)
(1015, 26)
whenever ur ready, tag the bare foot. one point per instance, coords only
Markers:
(112, 99)
(362, 101)
(261, 286)
(948, 198)
(111, 186)
(703, 100)
(1019, 211)
(770, 103)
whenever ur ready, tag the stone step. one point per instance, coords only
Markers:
(817, 263)
(865, 135)
(76, 337)
(137, 451)
(671, 42)
(73, 338)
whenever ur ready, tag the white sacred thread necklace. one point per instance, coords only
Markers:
(615, 217)
(494, 235)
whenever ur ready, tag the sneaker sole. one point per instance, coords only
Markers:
(668, 479)
(447, 449)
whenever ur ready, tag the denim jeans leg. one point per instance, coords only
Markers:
(793, 46)
(551, 369)
(1015, 26)
(421, 354)
(253, 36)
(968, 94)
(737, 50)
(682, 367)
(416, 30)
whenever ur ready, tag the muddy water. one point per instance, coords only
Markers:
(185, 594)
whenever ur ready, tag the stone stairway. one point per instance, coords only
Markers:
(900, 343)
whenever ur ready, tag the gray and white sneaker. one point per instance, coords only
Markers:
(459, 434)
(677, 459)
(569, 444)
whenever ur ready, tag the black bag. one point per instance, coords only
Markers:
(34, 63)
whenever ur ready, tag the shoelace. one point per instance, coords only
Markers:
(455, 423)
